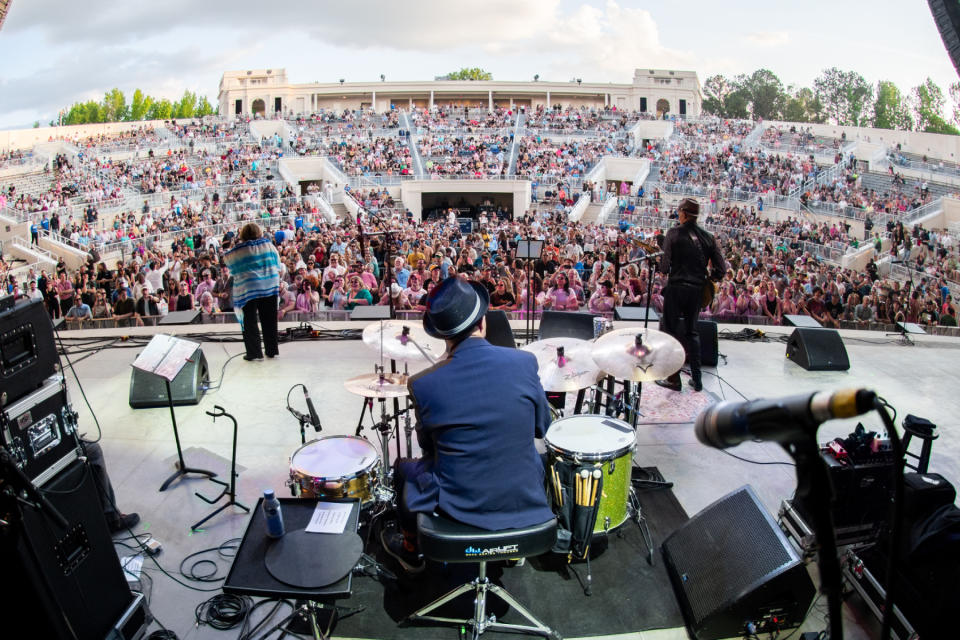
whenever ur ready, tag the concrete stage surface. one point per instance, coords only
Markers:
(139, 445)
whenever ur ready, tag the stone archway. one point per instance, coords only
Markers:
(663, 107)
(259, 107)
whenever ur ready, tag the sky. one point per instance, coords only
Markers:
(56, 52)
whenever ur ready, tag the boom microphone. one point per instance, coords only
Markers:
(727, 424)
(314, 418)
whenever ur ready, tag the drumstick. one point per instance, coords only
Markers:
(584, 474)
(557, 487)
(596, 483)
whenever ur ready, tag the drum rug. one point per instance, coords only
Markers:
(663, 406)
(629, 594)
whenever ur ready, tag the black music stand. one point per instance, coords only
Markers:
(529, 250)
(164, 357)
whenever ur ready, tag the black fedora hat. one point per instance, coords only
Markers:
(454, 307)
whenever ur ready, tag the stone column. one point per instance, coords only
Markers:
(373, 102)
(431, 98)
(548, 99)
(490, 101)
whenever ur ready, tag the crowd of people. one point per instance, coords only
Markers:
(585, 267)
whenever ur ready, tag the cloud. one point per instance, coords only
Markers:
(768, 38)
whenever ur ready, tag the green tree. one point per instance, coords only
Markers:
(766, 94)
(715, 91)
(140, 105)
(802, 105)
(890, 109)
(470, 73)
(160, 110)
(846, 96)
(928, 109)
(115, 106)
(186, 107)
(954, 91)
(204, 108)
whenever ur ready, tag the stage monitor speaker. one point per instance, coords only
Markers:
(64, 584)
(180, 317)
(635, 314)
(370, 312)
(818, 349)
(147, 390)
(566, 324)
(730, 564)
(499, 332)
(947, 16)
(709, 346)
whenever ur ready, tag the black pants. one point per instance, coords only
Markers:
(256, 313)
(683, 300)
(104, 488)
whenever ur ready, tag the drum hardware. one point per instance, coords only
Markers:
(638, 356)
(636, 514)
(229, 489)
(381, 386)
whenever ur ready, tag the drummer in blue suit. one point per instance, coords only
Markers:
(478, 412)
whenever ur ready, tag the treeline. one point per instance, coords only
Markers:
(837, 97)
(114, 108)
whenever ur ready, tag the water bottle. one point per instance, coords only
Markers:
(272, 515)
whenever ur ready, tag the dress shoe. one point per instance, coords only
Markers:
(673, 385)
(696, 384)
(124, 521)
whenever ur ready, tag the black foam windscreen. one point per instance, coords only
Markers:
(818, 349)
(946, 14)
(731, 564)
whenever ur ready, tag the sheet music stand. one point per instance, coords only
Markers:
(529, 250)
(164, 357)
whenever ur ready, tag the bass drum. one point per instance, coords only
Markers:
(335, 467)
(604, 443)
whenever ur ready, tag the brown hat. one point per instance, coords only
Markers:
(690, 206)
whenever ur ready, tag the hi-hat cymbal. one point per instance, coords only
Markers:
(576, 370)
(373, 385)
(399, 340)
(640, 355)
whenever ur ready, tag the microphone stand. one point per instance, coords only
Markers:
(814, 487)
(388, 266)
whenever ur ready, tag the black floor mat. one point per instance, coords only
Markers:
(628, 593)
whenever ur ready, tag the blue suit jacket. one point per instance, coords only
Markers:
(478, 413)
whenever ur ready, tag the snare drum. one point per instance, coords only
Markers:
(606, 443)
(335, 467)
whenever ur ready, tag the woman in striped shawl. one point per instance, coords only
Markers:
(255, 265)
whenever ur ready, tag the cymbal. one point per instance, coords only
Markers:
(576, 371)
(399, 340)
(640, 355)
(372, 385)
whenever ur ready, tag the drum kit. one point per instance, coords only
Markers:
(597, 440)
(594, 447)
(351, 466)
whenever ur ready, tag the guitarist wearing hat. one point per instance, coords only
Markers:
(691, 259)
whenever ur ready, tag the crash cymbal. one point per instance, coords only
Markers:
(575, 370)
(373, 385)
(640, 355)
(399, 340)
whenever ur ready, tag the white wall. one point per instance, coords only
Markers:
(934, 145)
(26, 138)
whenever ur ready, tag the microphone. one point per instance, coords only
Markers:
(727, 424)
(314, 418)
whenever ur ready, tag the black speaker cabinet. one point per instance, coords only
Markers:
(188, 387)
(64, 584)
(566, 324)
(499, 332)
(709, 347)
(731, 565)
(28, 353)
(371, 312)
(818, 349)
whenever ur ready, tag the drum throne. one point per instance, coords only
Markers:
(446, 540)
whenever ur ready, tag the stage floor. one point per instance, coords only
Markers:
(139, 445)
